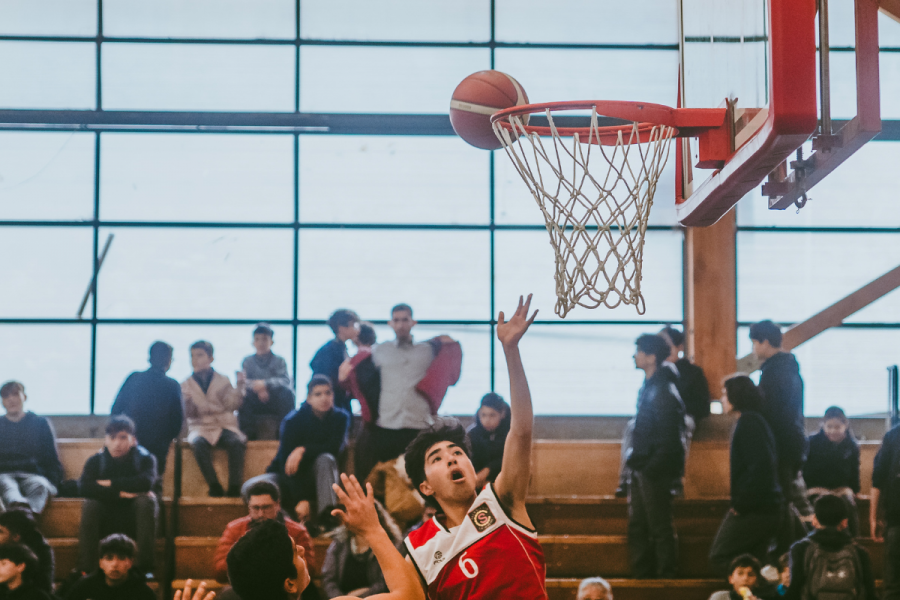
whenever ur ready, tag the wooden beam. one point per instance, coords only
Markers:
(832, 316)
(891, 8)
(710, 302)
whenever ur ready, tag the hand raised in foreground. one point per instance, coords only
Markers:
(200, 594)
(359, 514)
(510, 332)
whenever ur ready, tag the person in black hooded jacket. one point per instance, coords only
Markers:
(487, 436)
(752, 521)
(656, 462)
(782, 407)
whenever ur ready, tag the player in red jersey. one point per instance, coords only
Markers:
(483, 546)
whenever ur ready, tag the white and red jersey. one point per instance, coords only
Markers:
(488, 556)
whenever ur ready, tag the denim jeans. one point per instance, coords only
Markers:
(25, 488)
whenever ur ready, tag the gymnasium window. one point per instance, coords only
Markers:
(377, 204)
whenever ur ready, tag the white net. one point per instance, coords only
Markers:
(596, 220)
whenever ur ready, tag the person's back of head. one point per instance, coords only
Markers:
(594, 588)
(766, 331)
(342, 317)
(367, 335)
(831, 511)
(161, 355)
(261, 564)
(673, 335)
(21, 526)
(742, 393)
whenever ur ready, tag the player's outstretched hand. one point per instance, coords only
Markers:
(359, 514)
(200, 594)
(510, 332)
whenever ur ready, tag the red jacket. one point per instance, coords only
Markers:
(443, 372)
(238, 528)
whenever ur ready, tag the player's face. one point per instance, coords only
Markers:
(449, 474)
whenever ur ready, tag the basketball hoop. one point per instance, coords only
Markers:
(597, 215)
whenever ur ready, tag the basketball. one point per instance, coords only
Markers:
(479, 96)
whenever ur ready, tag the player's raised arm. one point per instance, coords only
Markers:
(515, 474)
(359, 516)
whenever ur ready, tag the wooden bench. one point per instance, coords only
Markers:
(560, 467)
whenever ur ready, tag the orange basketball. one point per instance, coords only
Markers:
(478, 97)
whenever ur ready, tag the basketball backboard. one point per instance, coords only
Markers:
(759, 59)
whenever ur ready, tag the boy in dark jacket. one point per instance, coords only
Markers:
(117, 483)
(487, 436)
(115, 579)
(752, 521)
(782, 394)
(18, 568)
(153, 401)
(305, 466)
(29, 462)
(828, 561)
(833, 463)
(656, 463)
(886, 492)
(328, 359)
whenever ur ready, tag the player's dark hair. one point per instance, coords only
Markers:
(260, 561)
(401, 307)
(366, 334)
(831, 510)
(673, 334)
(835, 412)
(444, 429)
(160, 355)
(264, 328)
(120, 423)
(742, 393)
(655, 345)
(203, 345)
(264, 488)
(317, 380)
(342, 317)
(766, 331)
(18, 554)
(744, 560)
(118, 545)
(11, 387)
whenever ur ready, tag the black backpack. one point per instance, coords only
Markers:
(833, 575)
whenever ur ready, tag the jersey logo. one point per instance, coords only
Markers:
(438, 557)
(482, 517)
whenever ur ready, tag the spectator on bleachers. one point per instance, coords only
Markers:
(268, 396)
(350, 567)
(487, 436)
(692, 384)
(782, 407)
(209, 405)
(360, 378)
(263, 499)
(784, 575)
(153, 401)
(329, 358)
(19, 526)
(594, 588)
(830, 550)
(30, 470)
(743, 577)
(117, 485)
(656, 463)
(116, 578)
(306, 464)
(886, 492)
(752, 522)
(694, 391)
(832, 465)
(414, 378)
(265, 564)
(18, 567)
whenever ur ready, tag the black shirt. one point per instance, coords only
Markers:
(327, 361)
(29, 446)
(153, 401)
(754, 467)
(831, 465)
(782, 394)
(886, 475)
(94, 587)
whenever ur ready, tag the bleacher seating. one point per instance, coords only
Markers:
(582, 527)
